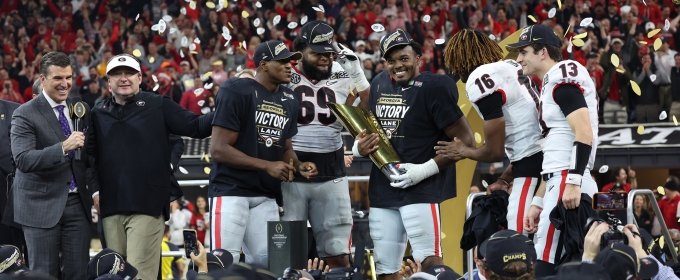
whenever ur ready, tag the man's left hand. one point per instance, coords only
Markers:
(350, 62)
(308, 169)
(451, 150)
(572, 196)
(414, 173)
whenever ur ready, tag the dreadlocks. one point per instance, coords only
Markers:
(469, 49)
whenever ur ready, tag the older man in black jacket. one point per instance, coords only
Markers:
(132, 151)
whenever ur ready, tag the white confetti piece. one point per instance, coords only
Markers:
(198, 91)
(197, 41)
(571, 45)
(183, 170)
(228, 36)
(485, 184)
(154, 27)
(154, 78)
(244, 45)
(167, 18)
(604, 169)
(492, 37)
(652, 77)
(173, 30)
(208, 86)
(258, 4)
(155, 88)
(181, 54)
(378, 27)
(225, 30)
(586, 21)
(552, 12)
(256, 22)
(426, 18)
(276, 19)
(162, 26)
(303, 20)
(663, 115)
(192, 47)
(439, 41)
(260, 31)
(200, 103)
(219, 8)
(667, 25)
(137, 17)
(183, 10)
(292, 25)
(184, 42)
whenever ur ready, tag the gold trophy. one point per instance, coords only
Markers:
(357, 119)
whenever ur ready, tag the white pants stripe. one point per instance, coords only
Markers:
(520, 201)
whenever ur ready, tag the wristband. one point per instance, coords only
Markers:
(580, 155)
(537, 201)
(504, 181)
(573, 179)
(355, 149)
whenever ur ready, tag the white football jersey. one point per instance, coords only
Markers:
(559, 138)
(520, 104)
(318, 129)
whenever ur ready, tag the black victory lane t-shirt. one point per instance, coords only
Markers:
(264, 121)
(414, 118)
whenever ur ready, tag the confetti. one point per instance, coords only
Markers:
(183, 10)
(155, 88)
(154, 78)
(207, 75)
(663, 115)
(276, 19)
(303, 20)
(184, 42)
(208, 86)
(230, 26)
(197, 41)
(225, 30)
(152, 59)
(615, 60)
(667, 25)
(581, 36)
(219, 8)
(636, 87)
(377, 27)
(192, 47)
(426, 18)
(643, 42)
(653, 32)
(258, 4)
(478, 138)
(439, 41)
(173, 30)
(485, 184)
(292, 25)
(206, 170)
(645, 2)
(661, 190)
(137, 18)
(162, 26)
(192, 5)
(641, 130)
(137, 53)
(492, 37)
(586, 21)
(198, 91)
(552, 12)
(532, 18)
(154, 27)
(260, 31)
(652, 77)
(604, 169)
(183, 170)
(316, 9)
(675, 121)
(210, 5)
(200, 103)
(245, 14)
(167, 18)
(559, 4)
(256, 22)
(657, 44)
(244, 45)
(189, 83)
(227, 36)
(321, 9)
(579, 42)
(181, 53)
(566, 32)
(620, 71)
(661, 239)
(571, 46)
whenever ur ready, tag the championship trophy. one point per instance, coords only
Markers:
(357, 119)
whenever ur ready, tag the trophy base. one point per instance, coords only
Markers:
(391, 169)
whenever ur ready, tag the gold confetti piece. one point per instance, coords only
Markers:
(657, 44)
(636, 87)
(643, 42)
(189, 83)
(136, 53)
(443, 235)
(194, 52)
(245, 14)
(210, 5)
(532, 18)
(202, 155)
(559, 4)
(653, 32)
(478, 138)
(675, 121)
(661, 241)
(641, 129)
(615, 60)
(620, 71)
(207, 75)
(661, 190)
(152, 59)
(566, 32)
(462, 106)
(207, 158)
(578, 42)
(230, 26)
(206, 170)
(581, 36)
(351, 92)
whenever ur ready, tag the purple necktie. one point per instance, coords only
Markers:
(67, 132)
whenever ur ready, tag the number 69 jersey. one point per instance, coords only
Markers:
(318, 129)
(520, 104)
(559, 137)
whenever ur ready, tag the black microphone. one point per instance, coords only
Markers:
(77, 114)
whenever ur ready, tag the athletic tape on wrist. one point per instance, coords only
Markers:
(362, 84)
(537, 201)
(355, 149)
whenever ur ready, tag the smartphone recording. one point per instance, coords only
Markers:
(610, 201)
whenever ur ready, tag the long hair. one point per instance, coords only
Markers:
(469, 49)
(513, 267)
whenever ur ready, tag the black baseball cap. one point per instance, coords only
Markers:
(217, 259)
(621, 262)
(582, 271)
(507, 246)
(396, 38)
(110, 262)
(537, 33)
(11, 261)
(319, 36)
(274, 50)
(591, 55)
(443, 272)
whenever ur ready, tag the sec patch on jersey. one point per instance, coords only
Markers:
(295, 78)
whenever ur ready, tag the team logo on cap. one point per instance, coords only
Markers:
(515, 256)
(122, 59)
(390, 39)
(279, 48)
(524, 37)
(116, 265)
(323, 37)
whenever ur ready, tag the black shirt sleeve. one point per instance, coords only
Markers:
(229, 108)
(183, 122)
(443, 102)
(570, 98)
(491, 106)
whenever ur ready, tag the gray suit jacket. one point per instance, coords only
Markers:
(43, 172)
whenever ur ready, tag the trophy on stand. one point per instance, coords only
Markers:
(357, 119)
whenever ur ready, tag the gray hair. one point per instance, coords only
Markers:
(37, 87)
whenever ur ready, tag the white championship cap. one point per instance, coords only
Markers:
(122, 60)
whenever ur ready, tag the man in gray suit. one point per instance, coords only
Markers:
(50, 196)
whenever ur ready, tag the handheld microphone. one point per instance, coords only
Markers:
(77, 114)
